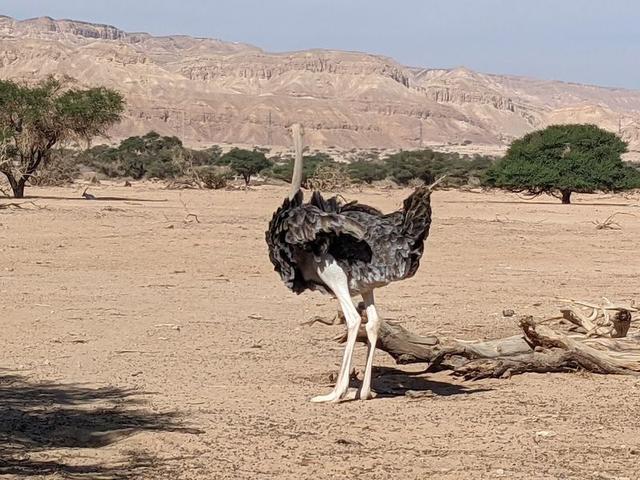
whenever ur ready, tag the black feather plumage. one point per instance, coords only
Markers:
(373, 248)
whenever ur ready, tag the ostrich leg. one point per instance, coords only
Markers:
(336, 279)
(372, 326)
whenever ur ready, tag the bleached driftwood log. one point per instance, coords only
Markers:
(604, 347)
(608, 319)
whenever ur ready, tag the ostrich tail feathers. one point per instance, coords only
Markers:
(417, 214)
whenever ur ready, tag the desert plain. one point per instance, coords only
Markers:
(145, 335)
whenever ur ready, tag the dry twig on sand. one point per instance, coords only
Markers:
(609, 223)
(189, 216)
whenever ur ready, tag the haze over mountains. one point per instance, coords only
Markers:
(209, 91)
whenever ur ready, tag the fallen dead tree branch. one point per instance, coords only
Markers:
(551, 351)
(603, 347)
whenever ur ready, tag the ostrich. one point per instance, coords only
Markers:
(346, 249)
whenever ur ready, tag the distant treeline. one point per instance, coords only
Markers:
(36, 121)
(165, 157)
(557, 160)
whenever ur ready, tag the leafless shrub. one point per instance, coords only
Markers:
(330, 177)
(415, 183)
(183, 183)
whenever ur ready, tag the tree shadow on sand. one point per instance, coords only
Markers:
(96, 199)
(392, 382)
(547, 203)
(38, 418)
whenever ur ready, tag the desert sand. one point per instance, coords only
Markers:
(142, 342)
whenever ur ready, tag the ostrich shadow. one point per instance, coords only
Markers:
(38, 418)
(392, 382)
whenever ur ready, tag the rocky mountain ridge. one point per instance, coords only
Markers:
(208, 91)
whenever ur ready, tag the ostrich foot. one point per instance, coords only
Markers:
(333, 397)
(367, 395)
(328, 398)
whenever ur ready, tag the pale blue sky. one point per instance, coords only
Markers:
(587, 41)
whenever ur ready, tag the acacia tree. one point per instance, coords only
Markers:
(33, 119)
(562, 159)
(150, 155)
(245, 162)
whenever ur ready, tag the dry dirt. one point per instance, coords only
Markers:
(139, 343)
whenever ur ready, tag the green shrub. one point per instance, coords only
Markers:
(365, 171)
(208, 156)
(428, 165)
(405, 166)
(150, 156)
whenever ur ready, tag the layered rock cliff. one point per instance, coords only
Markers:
(209, 91)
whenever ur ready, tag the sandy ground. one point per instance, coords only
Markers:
(139, 343)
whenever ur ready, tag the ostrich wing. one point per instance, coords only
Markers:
(336, 205)
(373, 248)
(307, 224)
(297, 227)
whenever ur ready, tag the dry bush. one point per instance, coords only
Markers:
(206, 176)
(386, 184)
(415, 183)
(213, 178)
(330, 177)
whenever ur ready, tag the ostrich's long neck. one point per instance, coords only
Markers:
(296, 178)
